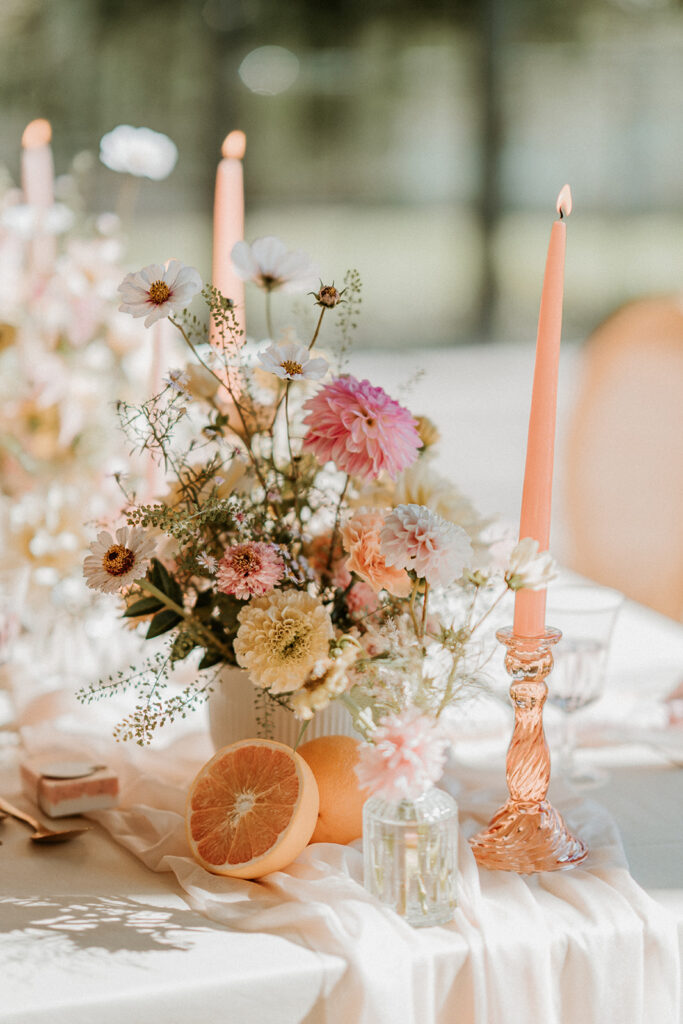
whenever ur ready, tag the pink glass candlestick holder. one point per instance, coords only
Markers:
(527, 834)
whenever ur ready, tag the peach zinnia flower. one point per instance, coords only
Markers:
(248, 570)
(361, 429)
(361, 538)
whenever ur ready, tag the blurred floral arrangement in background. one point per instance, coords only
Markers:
(305, 535)
(66, 353)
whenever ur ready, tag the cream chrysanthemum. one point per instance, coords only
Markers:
(326, 682)
(116, 562)
(281, 638)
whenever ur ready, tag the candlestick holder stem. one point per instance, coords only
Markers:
(527, 834)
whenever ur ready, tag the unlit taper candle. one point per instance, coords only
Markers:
(228, 221)
(38, 183)
(538, 475)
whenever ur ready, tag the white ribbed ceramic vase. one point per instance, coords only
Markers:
(234, 713)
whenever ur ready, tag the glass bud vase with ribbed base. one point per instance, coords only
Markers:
(410, 855)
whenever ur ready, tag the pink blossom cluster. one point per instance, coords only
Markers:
(407, 756)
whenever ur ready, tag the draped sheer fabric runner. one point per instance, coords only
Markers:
(581, 947)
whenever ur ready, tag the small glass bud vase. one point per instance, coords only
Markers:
(410, 855)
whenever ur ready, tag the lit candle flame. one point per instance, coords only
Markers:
(234, 145)
(564, 201)
(37, 133)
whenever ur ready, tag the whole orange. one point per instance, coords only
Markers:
(332, 760)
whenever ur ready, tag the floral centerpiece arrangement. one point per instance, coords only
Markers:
(305, 535)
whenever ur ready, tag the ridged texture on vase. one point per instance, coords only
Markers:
(527, 834)
(234, 712)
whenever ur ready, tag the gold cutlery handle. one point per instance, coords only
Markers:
(9, 808)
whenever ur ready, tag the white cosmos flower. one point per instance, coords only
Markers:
(270, 265)
(290, 360)
(157, 291)
(116, 562)
(528, 568)
(138, 151)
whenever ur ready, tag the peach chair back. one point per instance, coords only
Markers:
(624, 468)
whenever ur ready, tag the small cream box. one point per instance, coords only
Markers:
(64, 788)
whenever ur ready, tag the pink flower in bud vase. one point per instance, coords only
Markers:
(361, 429)
(248, 570)
(407, 756)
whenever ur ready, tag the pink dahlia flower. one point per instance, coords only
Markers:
(361, 429)
(414, 537)
(407, 756)
(249, 570)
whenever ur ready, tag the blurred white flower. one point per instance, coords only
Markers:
(115, 563)
(30, 221)
(138, 151)
(528, 568)
(157, 291)
(270, 265)
(414, 537)
(290, 360)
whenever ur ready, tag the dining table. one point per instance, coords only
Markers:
(121, 924)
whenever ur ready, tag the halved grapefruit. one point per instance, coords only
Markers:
(251, 809)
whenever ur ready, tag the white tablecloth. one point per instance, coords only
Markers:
(92, 932)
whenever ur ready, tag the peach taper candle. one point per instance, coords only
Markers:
(228, 221)
(538, 476)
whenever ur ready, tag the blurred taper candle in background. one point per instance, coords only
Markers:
(228, 221)
(37, 182)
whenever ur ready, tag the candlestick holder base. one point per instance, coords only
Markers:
(527, 834)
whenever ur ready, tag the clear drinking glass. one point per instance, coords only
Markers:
(586, 615)
(410, 855)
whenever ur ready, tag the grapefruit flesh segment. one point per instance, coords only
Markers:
(252, 809)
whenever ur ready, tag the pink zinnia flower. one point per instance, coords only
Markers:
(407, 756)
(414, 537)
(361, 429)
(248, 570)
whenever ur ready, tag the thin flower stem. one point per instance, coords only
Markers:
(293, 464)
(411, 607)
(201, 633)
(269, 320)
(487, 613)
(302, 730)
(335, 529)
(317, 329)
(424, 611)
(226, 385)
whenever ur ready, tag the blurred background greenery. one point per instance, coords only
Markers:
(423, 143)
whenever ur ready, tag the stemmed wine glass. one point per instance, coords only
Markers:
(586, 615)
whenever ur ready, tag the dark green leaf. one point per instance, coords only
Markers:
(162, 622)
(210, 658)
(145, 606)
(163, 581)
